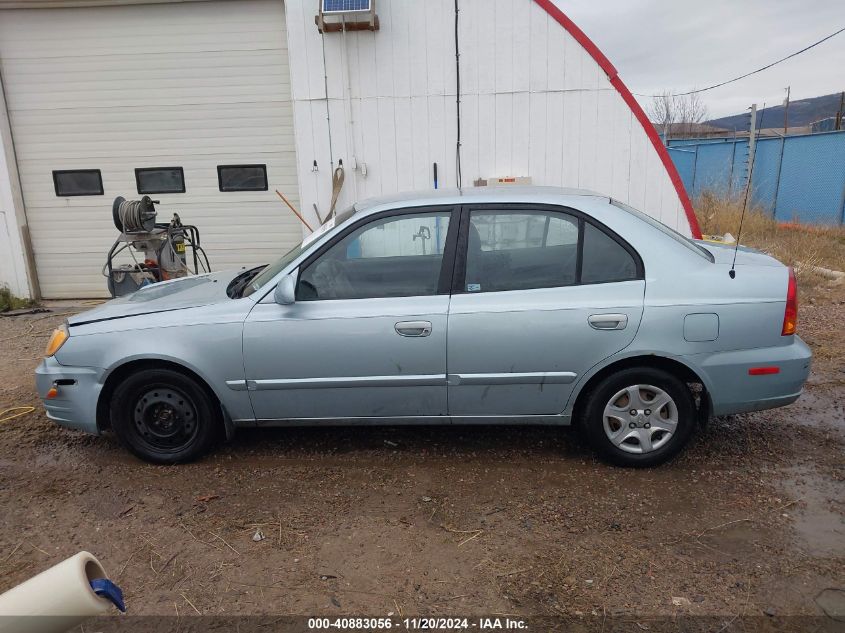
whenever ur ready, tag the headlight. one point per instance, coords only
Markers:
(57, 339)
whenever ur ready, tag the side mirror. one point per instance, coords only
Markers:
(285, 293)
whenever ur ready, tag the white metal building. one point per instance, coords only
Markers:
(94, 90)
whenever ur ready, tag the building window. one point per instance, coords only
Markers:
(160, 180)
(78, 182)
(242, 177)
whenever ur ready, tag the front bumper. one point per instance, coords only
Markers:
(733, 390)
(75, 406)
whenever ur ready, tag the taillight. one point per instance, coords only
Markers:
(790, 314)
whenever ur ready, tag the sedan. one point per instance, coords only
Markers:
(489, 306)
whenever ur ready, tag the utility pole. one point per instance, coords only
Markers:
(752, 142)
(841, 112)
(786, 110)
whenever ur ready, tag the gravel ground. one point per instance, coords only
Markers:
(453, 520)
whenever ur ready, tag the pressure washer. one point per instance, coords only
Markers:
(168, 250)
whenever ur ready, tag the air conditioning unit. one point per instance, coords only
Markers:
(330, 10)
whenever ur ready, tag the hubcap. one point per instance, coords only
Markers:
(640, 418)
(165, 418)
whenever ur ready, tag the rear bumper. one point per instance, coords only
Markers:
(75, 406)
(733, 390)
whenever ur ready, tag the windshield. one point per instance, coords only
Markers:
(696, 248)
(267, 274)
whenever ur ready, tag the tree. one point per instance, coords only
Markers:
(677, 115)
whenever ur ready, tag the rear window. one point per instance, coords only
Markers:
(688, 243)
(604, 259)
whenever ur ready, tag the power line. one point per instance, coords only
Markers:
(753, 72)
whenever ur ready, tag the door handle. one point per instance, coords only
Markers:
(608, 321)
(413, 328)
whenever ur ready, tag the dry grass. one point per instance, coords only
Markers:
(801, 246)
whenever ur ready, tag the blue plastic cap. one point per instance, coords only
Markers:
(110, 591)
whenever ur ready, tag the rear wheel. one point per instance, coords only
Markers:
(164, 417)
(639, 417)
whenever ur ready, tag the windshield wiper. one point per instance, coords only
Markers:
(239, 283)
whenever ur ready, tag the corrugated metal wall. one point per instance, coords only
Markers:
(796, 178)
(533, 103)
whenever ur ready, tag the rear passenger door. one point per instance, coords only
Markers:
(540, 295)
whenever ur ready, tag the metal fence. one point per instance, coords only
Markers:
(795, 178)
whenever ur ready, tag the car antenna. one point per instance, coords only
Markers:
(752, 143)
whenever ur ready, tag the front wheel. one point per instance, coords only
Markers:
(164, 417)
(639, 417)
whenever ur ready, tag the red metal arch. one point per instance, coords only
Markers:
(629, 99)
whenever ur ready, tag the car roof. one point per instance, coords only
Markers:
(475, 195)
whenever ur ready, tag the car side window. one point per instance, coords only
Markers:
(518, 250)
(396, 256)
(604, 259)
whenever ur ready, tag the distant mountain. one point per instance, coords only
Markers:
(801, 112)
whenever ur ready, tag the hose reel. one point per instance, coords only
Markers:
(134, 216)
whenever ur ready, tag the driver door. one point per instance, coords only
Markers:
(366, 337)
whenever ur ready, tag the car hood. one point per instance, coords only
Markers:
(724, 254)
(177, 294)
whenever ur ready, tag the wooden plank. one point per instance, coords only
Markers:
(557, 154)
(538, 138)
(571, 139)
(405, 149)
(470, 134)
(437, 147)
(538, 62)
(420, 138)
(521, 134)
(388, 149)
(620, 148)
(504, 34)
(503, 130)
(521, 45)
(487, 136)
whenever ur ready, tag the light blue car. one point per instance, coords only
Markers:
(495, 306)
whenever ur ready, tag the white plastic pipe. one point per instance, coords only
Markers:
(55, 600)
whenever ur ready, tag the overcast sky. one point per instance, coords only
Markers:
(680, 44)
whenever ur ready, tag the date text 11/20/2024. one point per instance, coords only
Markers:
(418, 624)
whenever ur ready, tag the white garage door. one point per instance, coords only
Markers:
(115, 88)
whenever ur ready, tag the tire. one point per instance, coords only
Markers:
(654, 439)
(165, 417)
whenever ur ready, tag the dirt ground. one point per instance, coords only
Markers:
(452, 520)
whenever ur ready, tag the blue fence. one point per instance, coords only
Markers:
(795, 178)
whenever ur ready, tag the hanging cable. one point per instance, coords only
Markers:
(326, 89)
(753, 72)
(458, 95)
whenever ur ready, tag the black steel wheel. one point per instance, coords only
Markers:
(164, 416)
